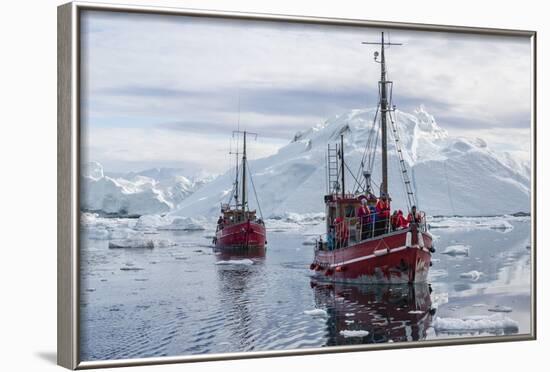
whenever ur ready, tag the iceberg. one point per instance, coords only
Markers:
(451, 175)
(132, 194)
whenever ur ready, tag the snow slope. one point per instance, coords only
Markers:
(152, 191)
(452, 175)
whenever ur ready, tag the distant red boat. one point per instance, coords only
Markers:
(364, 244)
(239, 230)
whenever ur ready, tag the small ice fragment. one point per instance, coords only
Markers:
(416, 312)
(473, 275)
(495, 322)
(244, 261)
(500, 309)
(457, 250)
(479, 305)
(350, 314)
(316, 312)
(351, 333)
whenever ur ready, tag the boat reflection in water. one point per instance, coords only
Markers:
(240, 288)
(389, 313)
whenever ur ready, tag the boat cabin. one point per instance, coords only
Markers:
(233, 216)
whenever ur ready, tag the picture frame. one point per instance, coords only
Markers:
(69, 178)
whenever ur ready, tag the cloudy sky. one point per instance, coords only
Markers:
(167, 91)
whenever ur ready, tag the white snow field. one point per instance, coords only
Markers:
(153, 191)
(451, 175)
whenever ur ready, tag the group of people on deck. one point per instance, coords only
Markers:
(374, 219)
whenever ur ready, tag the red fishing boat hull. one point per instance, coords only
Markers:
(387, 259)
(244, 237)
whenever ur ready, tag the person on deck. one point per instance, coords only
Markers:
(414, 217)
(402, 222)
(330, 238)
(220, 223)
(394, 220)
(363, 213)
(342, 232)
(383, 212)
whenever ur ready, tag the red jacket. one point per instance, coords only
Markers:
(364, 214)
(383, 209)
(401, 221)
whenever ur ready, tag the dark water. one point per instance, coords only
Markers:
(178, 300)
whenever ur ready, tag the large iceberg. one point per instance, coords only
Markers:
(153, 191)
(451, 175)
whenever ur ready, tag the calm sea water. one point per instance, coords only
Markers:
(182, 299)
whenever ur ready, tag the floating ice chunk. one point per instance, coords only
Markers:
(457, 250)
(350, 314)
(473, 275)
(500, 309)
(305, 218)
(416, 312)
(131, 243)
(151, 222)
(96, 233)
(495, 322)
(244, 261)
(351, 333)
(472, 223)
(316, 312)
(140, 243)
(185, 224)
(439, 299)
(479, 305)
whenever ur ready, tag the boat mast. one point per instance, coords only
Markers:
(383, 119)
(243, 196)
(343, 166)
(383, 86)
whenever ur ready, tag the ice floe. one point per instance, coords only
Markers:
(244, 261)
(457, 250)
(185, 224)
(498, 223)
(140, 243)
(353, 333)
(490, 323)
(316, 312)
(473, 275)
(439, 298)
(500, 309)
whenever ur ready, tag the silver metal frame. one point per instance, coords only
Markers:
(68, 173)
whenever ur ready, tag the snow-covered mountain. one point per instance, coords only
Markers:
(152, 191)
(451, 175)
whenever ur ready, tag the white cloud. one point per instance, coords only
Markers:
(141, 71)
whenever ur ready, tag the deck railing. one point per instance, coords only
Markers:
(352, 230)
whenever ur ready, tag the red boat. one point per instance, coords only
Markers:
(239, 230)
(364, 244)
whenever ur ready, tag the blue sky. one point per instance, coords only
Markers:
(167, 91)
